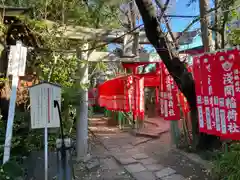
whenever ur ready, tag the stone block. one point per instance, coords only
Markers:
(148, 161)
(92, 164)
(114, 174)
(174, 177)
(109, 163)
(140, 141)
(125, 160)
(165, 172)
(133, 168)
(140, 156)
(127, 146)
(154, 167)
(144, 175)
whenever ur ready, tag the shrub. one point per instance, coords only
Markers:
(227, 164)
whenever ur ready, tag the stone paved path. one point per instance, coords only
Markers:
(102, 166)
(148, 159)
(140, 165)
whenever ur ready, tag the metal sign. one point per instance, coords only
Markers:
(43, 113)
(42, 106)
(17, 60)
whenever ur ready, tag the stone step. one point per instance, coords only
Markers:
(146, 121)
(98, 123)
(151, 132)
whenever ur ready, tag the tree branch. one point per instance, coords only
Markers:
(163, 9)
(196, 20)
(175, 67)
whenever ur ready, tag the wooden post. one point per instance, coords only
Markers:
(175, 133)
(16, 68)
(119, 119)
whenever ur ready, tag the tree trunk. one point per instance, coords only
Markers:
(216, 18)
(206, 33)
(176, 68)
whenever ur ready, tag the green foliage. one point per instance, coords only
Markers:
(233, 32)
(2, 82)
(227, 165)
(97, 13)
(226, 14)
(234, 36)
(56, 67)
(10, 171)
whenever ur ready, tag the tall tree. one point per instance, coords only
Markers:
(176, 68)
(223, 15)
(63, 70)
(205, 21)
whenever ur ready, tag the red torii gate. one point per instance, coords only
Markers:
(124, 93)
(151, 79)
(116, 94)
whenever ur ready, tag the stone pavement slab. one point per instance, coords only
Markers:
(144, 175)
(154, 167)
(140, 140)
(132, 151)
(110, 164)
(173, 177)
(134, 168)
(115, 175)
(126, 160)
(140, 156)
(127, 146)
(115, 150)
(165, 172)
(148, 161)
(147, 133)
(92, 163)
(151, 158)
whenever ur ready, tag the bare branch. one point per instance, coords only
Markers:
(163, 9)
(196, 20)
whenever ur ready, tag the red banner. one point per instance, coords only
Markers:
(218, 93)
(168, 96)
(184, 104)
(162, 89)
(206, 63)
(140, 98)
(227, 65)
(199, 92)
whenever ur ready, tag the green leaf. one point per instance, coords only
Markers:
(12, 169)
